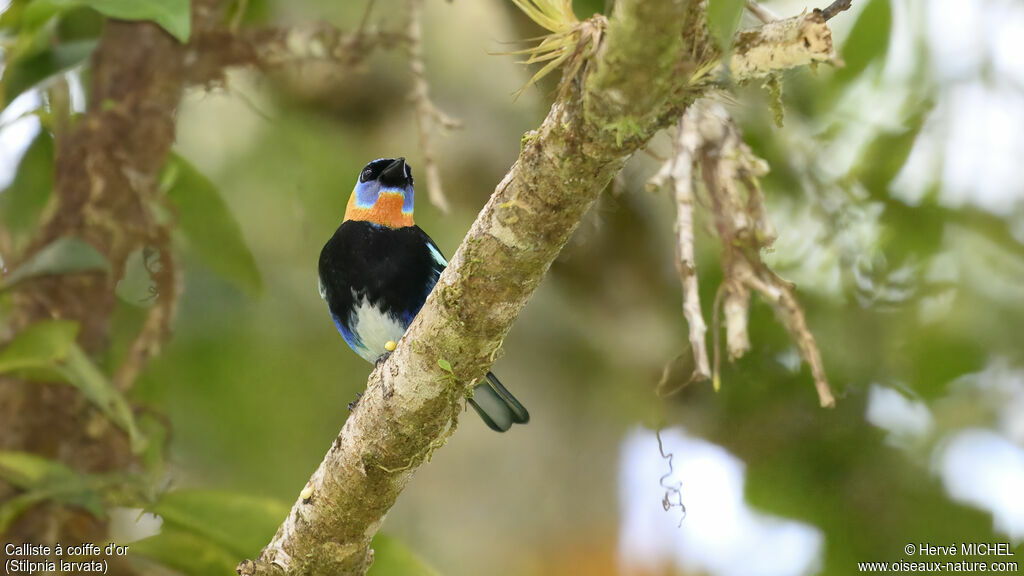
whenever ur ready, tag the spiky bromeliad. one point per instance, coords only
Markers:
(377, 270)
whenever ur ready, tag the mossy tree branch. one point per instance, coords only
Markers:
(642, 76)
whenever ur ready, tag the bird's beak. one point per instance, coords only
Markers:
(395, 172)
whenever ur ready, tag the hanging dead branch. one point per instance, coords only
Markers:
(731, 173)
(677, 173)
(707, 139)
(429, 118)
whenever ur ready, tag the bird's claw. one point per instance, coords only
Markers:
(352, 405)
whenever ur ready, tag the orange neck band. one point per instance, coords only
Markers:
(387, 211)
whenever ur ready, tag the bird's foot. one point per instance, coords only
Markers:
(352, 405)
(382, 358)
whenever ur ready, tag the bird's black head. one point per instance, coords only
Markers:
(383, 194)
(390, 172)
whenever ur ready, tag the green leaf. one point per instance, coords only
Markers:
(154, 458)
(39, 346)
(211, 230)
(29, 67)
(10, 17)
(724, 20)
(50, 346)
(44, 479)
(885, 156)
(186, 552)
(208, 532)
(393, 558)
(136, 286)
(23, 201)
(65, 255)
(173, 15)
(23, 41)
(868, 40)
(15, 507)
(444, 364)
(237, 523)
(28, 471)
(94, 385)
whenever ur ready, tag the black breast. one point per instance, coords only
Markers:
(392, 267)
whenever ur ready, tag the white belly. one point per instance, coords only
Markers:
(374, 328)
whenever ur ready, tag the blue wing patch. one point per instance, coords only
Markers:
(438, 257)
(353, 341)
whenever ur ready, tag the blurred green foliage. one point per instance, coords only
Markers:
(724, 20)
(208, 532)
(23, 201)
(39, 346)
(867, 42)
(64, 255)
(42, 480)
(173, 15)
(206, 222)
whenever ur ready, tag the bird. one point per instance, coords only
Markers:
(376, 271)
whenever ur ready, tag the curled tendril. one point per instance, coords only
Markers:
(673, 492)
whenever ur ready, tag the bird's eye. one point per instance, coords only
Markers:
(366, 175)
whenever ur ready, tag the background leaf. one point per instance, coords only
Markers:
(211, 230)
(65, 255)
(238, 523)
(210, 532)
(28, 471)
(44, 479)
(885, 156)
(136, 285)
(94, 385)
(38, 346)
(10, 18)
(23, 201)
(173, 15)
(186, 552)
(868, 40)
(724, 20)
(26, 70)
(50, 347)
(15, 507)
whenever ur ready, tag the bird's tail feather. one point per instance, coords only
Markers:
(498, 408)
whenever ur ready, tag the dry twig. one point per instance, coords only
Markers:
(294, 49)
(677, 171)
(762, 13)
(428, 116)
(730, 172)
(835, 8)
